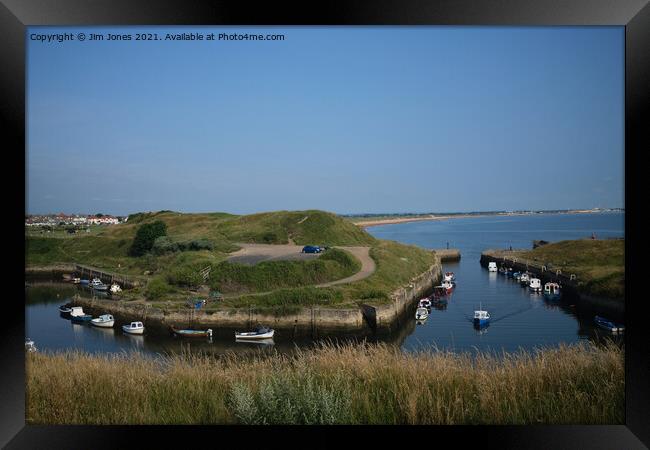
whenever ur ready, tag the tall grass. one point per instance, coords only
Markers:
(350, 384)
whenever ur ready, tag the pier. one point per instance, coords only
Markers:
(89, 273)
(448, 254)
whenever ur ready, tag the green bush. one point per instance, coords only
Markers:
(146, 236)
(165, 244)
(185, 276)
(157, 288)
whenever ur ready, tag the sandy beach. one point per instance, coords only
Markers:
(372, 223)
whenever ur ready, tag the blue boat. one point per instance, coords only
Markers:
(85, 282)
(481, 318)
(516, 276)
(81, 319)
(509, 273)
(608, 325)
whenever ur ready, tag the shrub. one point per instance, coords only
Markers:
(185, 276)
(146, 236)
(156, 288)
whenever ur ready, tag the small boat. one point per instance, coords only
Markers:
(448, 285)
(424, 303)
(552, 291)
(502, 270)
(516, 276)
(76, 280)
(191, 333)
(77, 314)
(84, 282)
(608, 325)
(115, 288)
(133, 328)
(65, 310)
(29, 345)
(524, 279)
(481, 318)
(449, 276)
(97, 285)
(535, 284)
(103, 321)
(421, 313)
(509, 272)
(259, 332)
(492, 266)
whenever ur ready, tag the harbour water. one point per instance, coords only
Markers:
(519, 319)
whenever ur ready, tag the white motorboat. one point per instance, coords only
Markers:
(97, 285)
(492, 266)
(29, 345)
(481, 318)
(524, 279)
(258, 333)
(421, 313)
(103, 321)
(535, 284)
(449, 276)
(424, 303)
(133, 328)
(552, 291)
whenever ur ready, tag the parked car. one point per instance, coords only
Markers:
(311, 249)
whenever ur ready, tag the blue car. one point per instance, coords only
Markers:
(311, 249)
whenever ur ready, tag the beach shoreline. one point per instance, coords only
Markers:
(373, 223)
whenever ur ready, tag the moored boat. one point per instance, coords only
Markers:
(133, 328)
(421, 313)
(448, 286)
(29, 345)
(191, 333)
(425, 303)
(492, 266)
(552, 291)
(103, 321)
(65, 310)
(535, 284)
(259, 332)
(449, 276)
(516, 276)
(609, 325)
(77, 314)
(524, 279)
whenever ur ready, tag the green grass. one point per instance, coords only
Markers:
(362, 384)
(266, 276)
(598, 264)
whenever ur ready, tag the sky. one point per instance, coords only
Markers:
(343, 119)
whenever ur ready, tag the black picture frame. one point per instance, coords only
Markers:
(634, 15)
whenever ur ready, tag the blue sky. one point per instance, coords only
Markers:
(345, 119)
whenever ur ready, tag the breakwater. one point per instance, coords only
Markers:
(547, 273)
(448, 254)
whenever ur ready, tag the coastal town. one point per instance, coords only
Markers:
(62, 219)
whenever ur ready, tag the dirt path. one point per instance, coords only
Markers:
(367, 266)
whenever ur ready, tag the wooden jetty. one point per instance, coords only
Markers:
(89, 273)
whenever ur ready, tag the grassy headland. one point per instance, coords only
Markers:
(278, 284)
(598, 264)
(352, 384)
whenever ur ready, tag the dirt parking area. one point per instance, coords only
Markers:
(252, 254)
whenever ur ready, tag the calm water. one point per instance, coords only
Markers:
(519, 319)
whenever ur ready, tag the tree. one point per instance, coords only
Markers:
(146, 236)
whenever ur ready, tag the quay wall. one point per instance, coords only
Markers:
(448, 254)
